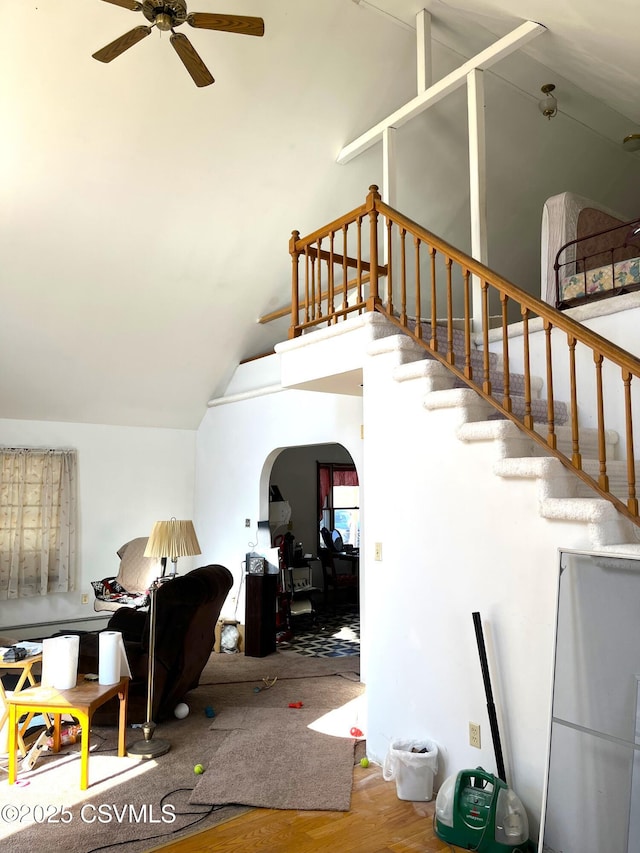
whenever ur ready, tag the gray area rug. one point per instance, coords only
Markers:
(134, 806)
(277, 761)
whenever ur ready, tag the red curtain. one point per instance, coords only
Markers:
(333, 475)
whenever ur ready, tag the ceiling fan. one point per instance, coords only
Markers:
(169, 14)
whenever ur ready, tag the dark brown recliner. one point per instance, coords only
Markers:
(187, 610)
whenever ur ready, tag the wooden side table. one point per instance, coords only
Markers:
(26, 674)
(80, 701)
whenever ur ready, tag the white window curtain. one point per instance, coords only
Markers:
(38, 509)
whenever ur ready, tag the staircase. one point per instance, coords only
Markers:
(423, 276)
(562, 495)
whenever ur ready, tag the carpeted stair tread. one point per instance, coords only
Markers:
(496, 376)
(539, 411)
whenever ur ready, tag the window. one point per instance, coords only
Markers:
(339, 501)
(38, 509)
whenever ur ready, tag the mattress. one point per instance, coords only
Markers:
(617, 276)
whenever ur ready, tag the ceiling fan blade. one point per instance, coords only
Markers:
(243, 24)
(126, 4)
(191, 61)
(111, 51)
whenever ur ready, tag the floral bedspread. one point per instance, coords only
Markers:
(622, 274)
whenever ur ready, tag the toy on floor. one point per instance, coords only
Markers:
(209, 712)
(296, 704)
(181, 710)
(198, 769)
(267, 683)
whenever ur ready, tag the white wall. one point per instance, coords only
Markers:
(237, 445)
(455, 539)
(129, 478)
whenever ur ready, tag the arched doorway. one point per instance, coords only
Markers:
(310, 487)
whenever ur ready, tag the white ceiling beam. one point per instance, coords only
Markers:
(389, 170)
(424, 51)
(485, 59)
(477, 184)
(389, 192)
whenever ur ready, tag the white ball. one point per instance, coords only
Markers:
(181, 710)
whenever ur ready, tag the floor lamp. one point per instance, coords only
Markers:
(169, 539)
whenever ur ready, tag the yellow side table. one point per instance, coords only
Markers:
(80, 701)
(26, 675)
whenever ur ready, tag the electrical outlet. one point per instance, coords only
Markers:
(84, 598)
(474, 735)
(378, 551)
(247, 522)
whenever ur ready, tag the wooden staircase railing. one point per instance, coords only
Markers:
(338, 270)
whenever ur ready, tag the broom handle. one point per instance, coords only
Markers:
(491, 708)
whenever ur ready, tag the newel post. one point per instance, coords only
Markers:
(371, 206)
(294, 332)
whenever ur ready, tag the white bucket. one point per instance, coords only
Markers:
(412, 769)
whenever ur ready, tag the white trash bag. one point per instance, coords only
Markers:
(413, 764)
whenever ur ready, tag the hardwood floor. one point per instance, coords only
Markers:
(378, 822)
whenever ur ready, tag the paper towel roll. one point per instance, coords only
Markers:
(110, 650)
(60, 661)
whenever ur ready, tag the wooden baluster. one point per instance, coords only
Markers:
(576, 458)
(314, 306)
(506, 381)
(403, 277)
(307, 286)
(486, 382)
(294, 329)
(434, 307)
(359, 261)
(389, 268)
(603, 479)
(632, 500)
(551, 411)
(372, 199)
(331, 308)
(418, 328)
(319, 271)
(450, 354)
(528, 418)
(468, 368)
(345, 269)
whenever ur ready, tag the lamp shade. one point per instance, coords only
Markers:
(172, 539)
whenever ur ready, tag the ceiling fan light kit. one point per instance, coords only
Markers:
(166, 15)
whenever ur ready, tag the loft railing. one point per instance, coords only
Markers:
(341, 269)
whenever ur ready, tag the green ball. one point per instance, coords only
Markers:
(364, 762)
(198, 769)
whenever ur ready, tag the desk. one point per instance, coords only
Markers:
(80, 701)
(352, 557)
(339, 580)
(25, 665)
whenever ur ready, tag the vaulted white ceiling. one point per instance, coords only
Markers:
(144, 222)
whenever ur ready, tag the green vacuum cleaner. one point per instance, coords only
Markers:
(476, 810)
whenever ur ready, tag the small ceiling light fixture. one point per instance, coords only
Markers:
(548, 106)
(632, 142)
